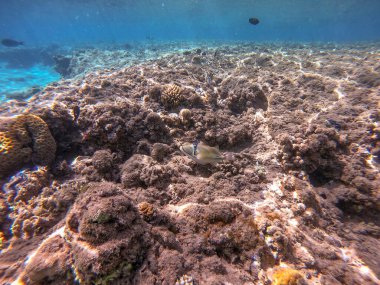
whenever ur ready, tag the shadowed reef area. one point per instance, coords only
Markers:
(98, 191)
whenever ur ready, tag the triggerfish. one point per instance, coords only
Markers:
(202, 153)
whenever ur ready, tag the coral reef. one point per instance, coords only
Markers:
(294, 201)
(62, 64)
(316, 152)
(104, 217)
(287, 276)
(171, 96)
(25, 139)
(51, 267)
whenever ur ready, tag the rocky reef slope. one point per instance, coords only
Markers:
(295, 201)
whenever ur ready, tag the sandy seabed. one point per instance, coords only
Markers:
(296, 200)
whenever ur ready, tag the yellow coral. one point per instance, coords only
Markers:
(12, 152)
(5, 143)
(185, 116)
(287, 276)
(23, 139)
(44, 145)
(171, 95)
(2, 240)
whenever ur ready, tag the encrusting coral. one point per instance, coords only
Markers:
(25, 139)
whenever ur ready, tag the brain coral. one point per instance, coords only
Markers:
(23, 139)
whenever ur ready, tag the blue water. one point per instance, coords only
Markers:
(14, 81)
(41, 23)
(76, 21)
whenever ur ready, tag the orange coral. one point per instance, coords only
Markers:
(287, 276)
(2, 240)
(23, 139)
(146, 209)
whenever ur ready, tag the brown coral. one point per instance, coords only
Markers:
(44, 145)
(5, 143)
(23, 139)
(171, 96)
(106, 218)
(185, 115)
(146, 209)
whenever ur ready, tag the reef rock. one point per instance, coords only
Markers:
(108, 236)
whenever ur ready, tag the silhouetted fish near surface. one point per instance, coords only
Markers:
(254, 21)
(11, 43)
(202, 153)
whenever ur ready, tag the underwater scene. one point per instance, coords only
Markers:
(190, 142)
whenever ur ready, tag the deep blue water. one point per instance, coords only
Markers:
(41, 23)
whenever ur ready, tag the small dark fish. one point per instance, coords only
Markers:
(254, 21)
(333, 123)
(76, 112)
(11, 43)
(127, 46)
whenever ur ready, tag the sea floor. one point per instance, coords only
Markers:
(115, 201)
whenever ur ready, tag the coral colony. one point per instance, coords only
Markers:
(230, 164)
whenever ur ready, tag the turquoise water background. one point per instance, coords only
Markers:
(15, 80)
(40, 23)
